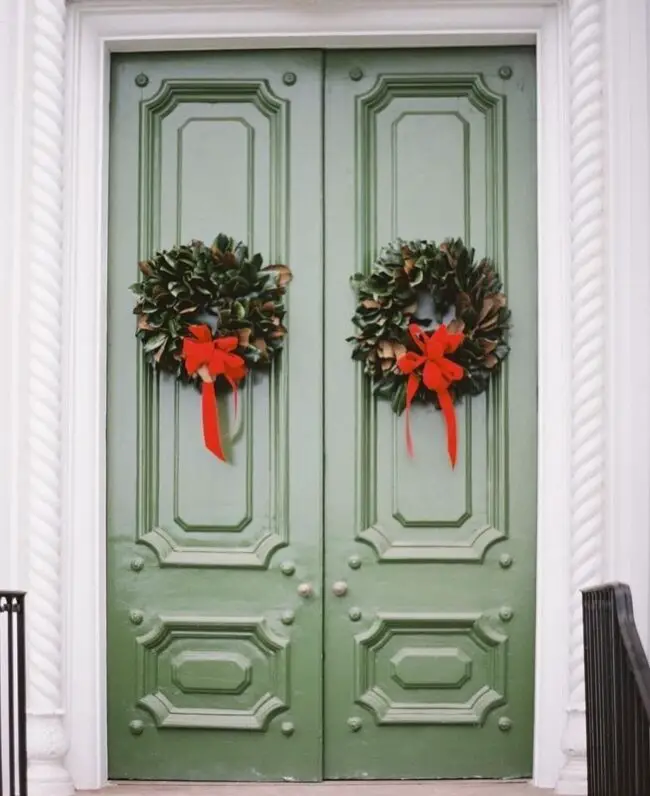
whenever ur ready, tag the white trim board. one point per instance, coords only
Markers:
(58, 427)
(88, 206)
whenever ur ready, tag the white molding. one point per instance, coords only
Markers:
(9, 167)
(628, 198)
(588, 353)
(38, 370)
(554, 374)
(86, 165)
(573, 66)
(96, 27)
(155, 24)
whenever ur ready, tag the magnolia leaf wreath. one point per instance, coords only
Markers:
(210, 311)
(433, 355)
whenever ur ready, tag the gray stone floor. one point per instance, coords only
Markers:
(328, 789)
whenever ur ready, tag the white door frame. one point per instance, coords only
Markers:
(593, 208)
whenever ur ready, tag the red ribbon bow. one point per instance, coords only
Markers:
(211, 358)
(437, 373)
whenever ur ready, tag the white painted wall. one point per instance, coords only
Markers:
(8, 563)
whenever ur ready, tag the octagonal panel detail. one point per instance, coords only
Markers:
(208, 672)
(447, 667)
(213, 673)
(431, 668)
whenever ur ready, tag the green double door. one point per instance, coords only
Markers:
(322, 606)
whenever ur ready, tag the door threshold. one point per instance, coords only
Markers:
(341, 787)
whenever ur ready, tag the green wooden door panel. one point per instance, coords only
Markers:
(434, 639)
(207, 671)
(418, 663)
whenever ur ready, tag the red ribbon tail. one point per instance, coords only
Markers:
(411, 389)
(211, 433)
(449, 413)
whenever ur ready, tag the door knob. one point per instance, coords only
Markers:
(340, 588)
(305, 590)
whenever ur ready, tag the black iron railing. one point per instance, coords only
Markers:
(13, 718)
(617, 680)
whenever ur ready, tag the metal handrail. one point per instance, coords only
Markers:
(13, 712)
(617, 683)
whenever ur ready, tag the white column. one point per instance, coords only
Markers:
(588, 346)
(44, 47)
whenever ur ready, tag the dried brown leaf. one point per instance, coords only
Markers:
(488, 306)
(489, 324)
(244, 336)
(456, 326)
(463, 302)
(278, 332)
(385, 349)
(488, 346)
(283, 271)
(143, 324)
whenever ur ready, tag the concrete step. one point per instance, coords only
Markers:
(393, 788)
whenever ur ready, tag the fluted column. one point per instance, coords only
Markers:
(47, 744)
(588, 347)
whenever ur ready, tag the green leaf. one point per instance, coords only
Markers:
(223, 242)
(155, 342)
